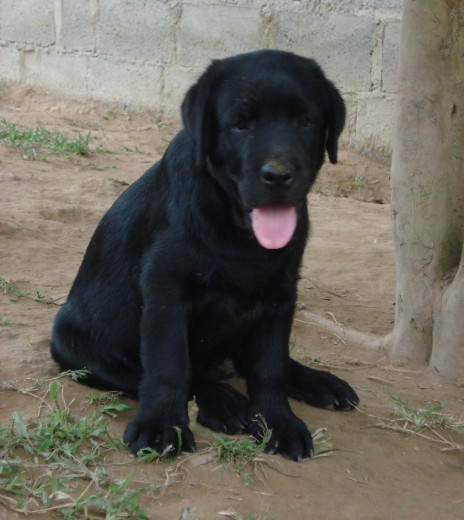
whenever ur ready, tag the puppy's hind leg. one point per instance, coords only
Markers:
(73, 349)
(319, 388)
(221, 407)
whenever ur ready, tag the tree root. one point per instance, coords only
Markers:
(348, 335)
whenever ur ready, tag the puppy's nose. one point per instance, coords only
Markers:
(277, 173)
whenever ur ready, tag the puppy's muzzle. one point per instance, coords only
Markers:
(277, 173)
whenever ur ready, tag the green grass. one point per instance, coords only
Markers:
(37, 143)
(150, 454)
(239, 453)
(16, 293)
(431, 416)
(184, 514)
(55, 463)
(362, 182)
(108, 403)
(60, 462)
(12, 290)
(428, 423)
(249, 516)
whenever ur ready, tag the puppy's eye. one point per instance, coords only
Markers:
(306, 121)
(241, 126)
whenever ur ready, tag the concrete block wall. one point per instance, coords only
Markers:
(146, 53)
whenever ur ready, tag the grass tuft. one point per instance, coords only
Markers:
(36, 143)
(55, 464)
(16, 293)
(240, 453)
(421, 418)
(428, 423)
(237, 516)
(12, 290)
(107, 402)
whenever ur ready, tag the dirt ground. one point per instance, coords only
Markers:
(48, 211)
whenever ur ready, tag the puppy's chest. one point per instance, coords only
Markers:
(222, 318)
(225, 303)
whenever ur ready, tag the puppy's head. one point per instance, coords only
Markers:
(261, 123)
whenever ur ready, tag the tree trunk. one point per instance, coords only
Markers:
(428, 186)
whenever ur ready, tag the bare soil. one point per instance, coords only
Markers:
(48, 211)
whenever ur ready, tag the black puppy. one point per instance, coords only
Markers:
(197, 262)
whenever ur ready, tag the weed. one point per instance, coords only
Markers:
(427, 423)
(101, 148)
(60, 437)
(18, 293)
(45, 461)
(12, 290)
(37, 142)
(97, 167)
(362, 182)
(116, 502)
(249, 516)
(239, 452)
(292, 345)
(150, 454)
(108, 403)
(421, 418)
(185, 513)
(118, 182)
(109, 115)
(75, 375)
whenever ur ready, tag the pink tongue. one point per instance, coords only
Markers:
(274, 225)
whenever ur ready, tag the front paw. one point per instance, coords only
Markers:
(166, 437)
(283, 433)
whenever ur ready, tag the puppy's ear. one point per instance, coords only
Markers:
(337, 114)
(197, 113)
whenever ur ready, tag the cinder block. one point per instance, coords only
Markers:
(147, 54)
(358, 6)
(348, 137)
(130, 84)
(341, 43)
(207, 32)
(57, 73)
(393, 5)
(375, 124)
(177, 81)
(10, 59)
(77, 26)
(136, 30)
(390, 56)
(27, 22)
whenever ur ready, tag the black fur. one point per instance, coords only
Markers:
(174, 281)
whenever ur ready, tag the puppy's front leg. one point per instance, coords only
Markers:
(267, 360)
(161, 421)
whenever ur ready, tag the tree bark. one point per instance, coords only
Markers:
(428, 186)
